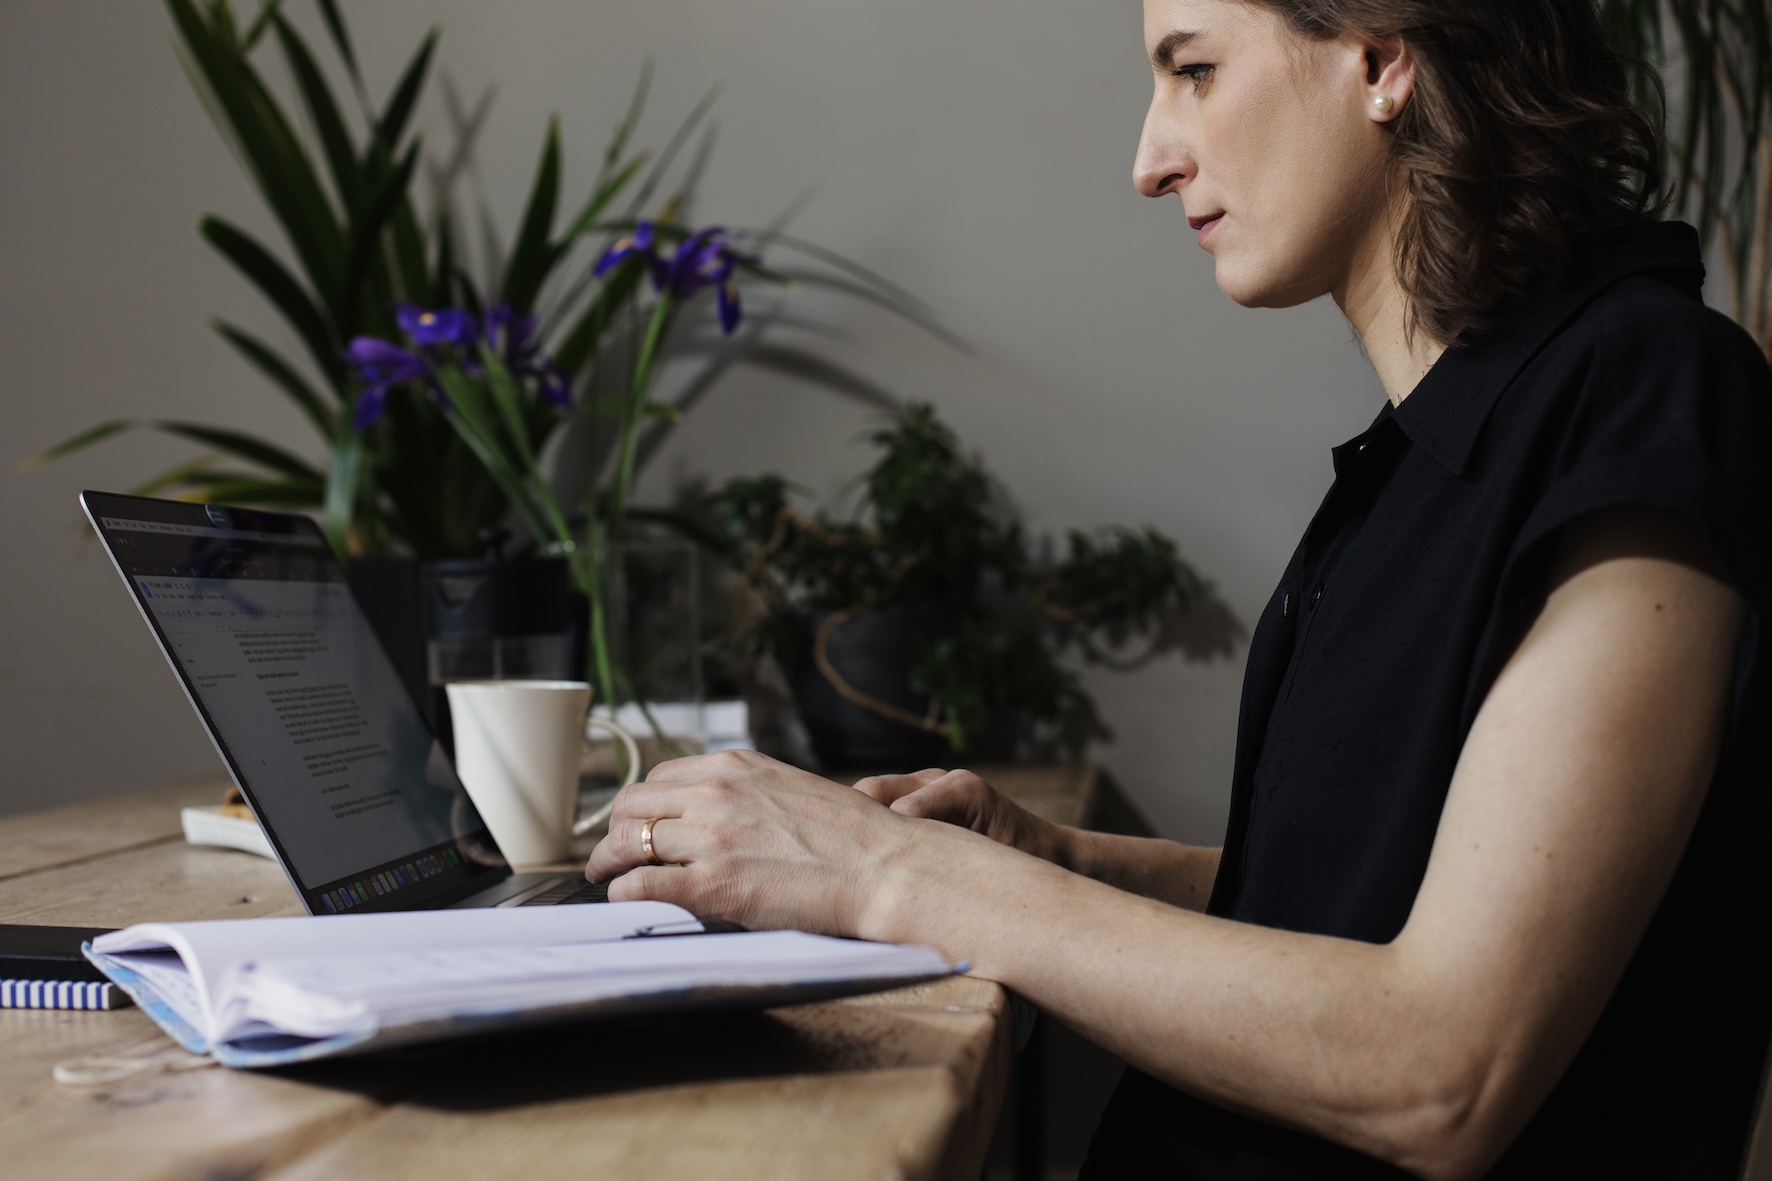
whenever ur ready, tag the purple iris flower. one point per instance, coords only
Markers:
(704, 259)
(639, 242)
(726, 299)
(444, 326)
(381, 365)
(449, 337)
(513, 337)
(555, 387)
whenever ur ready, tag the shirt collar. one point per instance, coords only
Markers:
(1447, 410)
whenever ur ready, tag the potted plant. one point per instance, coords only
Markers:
(1720, 153)
(414, 492)
(924, 626)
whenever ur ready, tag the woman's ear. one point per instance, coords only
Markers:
(1390, 78)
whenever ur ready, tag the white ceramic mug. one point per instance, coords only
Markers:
(517, 751)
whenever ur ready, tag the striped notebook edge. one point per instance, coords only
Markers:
(61, 994)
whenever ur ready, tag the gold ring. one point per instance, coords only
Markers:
(646, 848)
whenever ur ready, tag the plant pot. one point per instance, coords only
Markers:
(874, 654)
(459, 619)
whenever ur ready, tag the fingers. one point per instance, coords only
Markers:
(954, 797)
(651, 883)
(625, 847)
(885, 789)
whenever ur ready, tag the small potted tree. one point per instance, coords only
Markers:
(925, 628)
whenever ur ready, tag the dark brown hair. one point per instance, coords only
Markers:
(1520, 136)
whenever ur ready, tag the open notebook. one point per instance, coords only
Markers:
(268, 992)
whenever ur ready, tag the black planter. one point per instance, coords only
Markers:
(431, 613)
(875, 654)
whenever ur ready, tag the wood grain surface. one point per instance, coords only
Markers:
(904, 1084)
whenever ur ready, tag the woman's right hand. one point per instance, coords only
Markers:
(963, 799)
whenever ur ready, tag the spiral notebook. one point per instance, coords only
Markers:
(42, 968)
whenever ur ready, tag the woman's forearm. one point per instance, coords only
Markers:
(1306, 1029)
(1181, 875)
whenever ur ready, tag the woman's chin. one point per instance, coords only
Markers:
(1255, 290)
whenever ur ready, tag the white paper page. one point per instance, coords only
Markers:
(212, 949)
(323, 996)
(166, 974)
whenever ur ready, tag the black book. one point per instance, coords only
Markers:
(47, 953)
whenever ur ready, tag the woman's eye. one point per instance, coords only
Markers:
(1198, 75)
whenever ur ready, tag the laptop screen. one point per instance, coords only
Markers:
(323, 738)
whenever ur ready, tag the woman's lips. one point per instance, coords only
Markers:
(1205, 225)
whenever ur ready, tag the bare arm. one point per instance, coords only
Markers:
(1181, 875)
(1568, 811)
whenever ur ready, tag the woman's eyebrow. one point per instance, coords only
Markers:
(1163, 56)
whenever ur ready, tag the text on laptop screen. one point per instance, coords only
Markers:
(318, 724)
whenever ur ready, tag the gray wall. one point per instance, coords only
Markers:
(978, 152)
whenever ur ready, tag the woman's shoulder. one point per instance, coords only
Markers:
(1646, 398)
(1642, 346)
(1641, 313)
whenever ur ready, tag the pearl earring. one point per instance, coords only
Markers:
(1382, 103)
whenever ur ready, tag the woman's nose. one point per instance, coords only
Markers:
(1163, 164)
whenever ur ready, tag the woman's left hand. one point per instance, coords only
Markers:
(752, 841)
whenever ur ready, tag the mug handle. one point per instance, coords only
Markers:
(632, 750)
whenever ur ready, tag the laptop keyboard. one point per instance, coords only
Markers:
(570, 891)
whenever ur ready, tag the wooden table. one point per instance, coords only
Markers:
(904, 1084)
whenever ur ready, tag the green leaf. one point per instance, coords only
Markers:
(443, 275)
(389, 195)
(533, 257)
(80, 442)
(184, 475)
(624, 131)
(221, 14)
(409, 252)
(606, 192)
(282, 374)
(199, 481)
(342, 476)
(667, 157)
(335, 25)
(261, 22)
(509, 404)
(341, 154)
(235, 443)
(392, 124)
(274, 156)
(477, 428)
(282, 493)
(243, 446)
(283, 290)
(585, 337)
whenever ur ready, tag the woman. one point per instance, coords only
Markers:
(1483, 904)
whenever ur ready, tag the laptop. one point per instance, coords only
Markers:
(357, 798)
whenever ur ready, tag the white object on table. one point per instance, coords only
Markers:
(213, 826)
(718, 725)
(517, 751)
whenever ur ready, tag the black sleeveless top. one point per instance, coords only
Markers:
(1425, 565)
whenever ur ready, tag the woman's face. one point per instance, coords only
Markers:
(1274, 145)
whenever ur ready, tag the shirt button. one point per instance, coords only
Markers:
(1317, 597)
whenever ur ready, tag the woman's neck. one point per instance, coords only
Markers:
(1375, 304)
